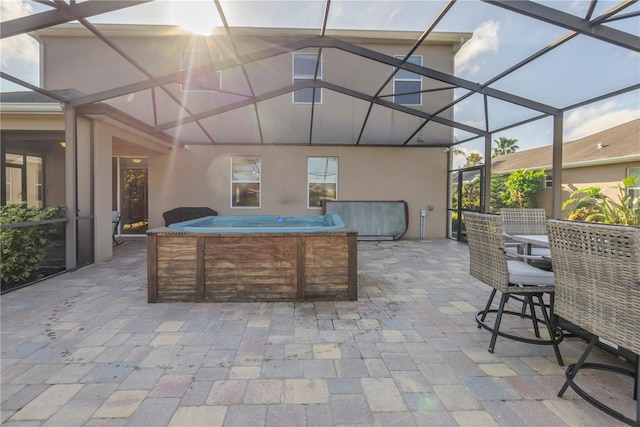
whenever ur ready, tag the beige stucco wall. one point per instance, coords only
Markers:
(607, 177)
(91, 66)
(201, 177)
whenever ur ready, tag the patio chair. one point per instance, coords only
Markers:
(115, 222)
(526, 221)
(490, 264)
(597, 270)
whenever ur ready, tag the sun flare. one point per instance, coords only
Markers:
(198, 17)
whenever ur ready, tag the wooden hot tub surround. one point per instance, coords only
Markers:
(206, 267)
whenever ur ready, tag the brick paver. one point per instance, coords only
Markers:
(85, 348)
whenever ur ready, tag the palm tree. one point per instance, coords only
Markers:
(504, 146)
(473, 159)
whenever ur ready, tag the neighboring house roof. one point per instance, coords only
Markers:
(615, 145)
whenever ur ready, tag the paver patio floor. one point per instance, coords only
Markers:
(85, 348)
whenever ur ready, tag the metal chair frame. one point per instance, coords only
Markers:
(597, 271)
(489, 264)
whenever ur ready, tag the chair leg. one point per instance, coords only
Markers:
(496, 325)
(488, 306)
(571, 375)
(551, 327)
(534, 319)
(523, 310)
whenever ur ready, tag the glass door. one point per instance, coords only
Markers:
(467, 194)
(133, 195)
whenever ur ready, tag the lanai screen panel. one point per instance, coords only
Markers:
(498, 56)
(354, 72)
(432, 134)
(388, 127)
(343, 130)
(272, 73)
(284, 129)
(236, 126)
(561, 78)
(189, 133)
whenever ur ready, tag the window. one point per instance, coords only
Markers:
(24, 180)
(408, 83)
(304, 68)
(245, 181)
(322, 178)
(548, 181)
(635, 190)
(207, 82)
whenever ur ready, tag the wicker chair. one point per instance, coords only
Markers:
(524, 221)
(597, 270)
(527, 221)
(490, 264)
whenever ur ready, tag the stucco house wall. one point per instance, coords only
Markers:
(201, 177)
(89, 65)
(608, 177)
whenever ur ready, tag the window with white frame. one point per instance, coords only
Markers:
(322, 180)
(207, 82)
(304, 68)
(548, 181)
(407, 85)
(245, 181)
(634, 190)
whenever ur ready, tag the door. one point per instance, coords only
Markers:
(133, 189)
(467, 194)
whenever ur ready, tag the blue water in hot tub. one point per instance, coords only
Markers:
(261, 224)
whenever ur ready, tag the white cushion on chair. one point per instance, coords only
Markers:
(524, 274)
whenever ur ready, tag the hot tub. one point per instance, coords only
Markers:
(253, 258)
(261, 224)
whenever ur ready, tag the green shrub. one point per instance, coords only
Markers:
(521, 187)
(24, 248)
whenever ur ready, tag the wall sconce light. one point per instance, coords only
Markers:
(187, 147)
(136, 160)
(63, 144)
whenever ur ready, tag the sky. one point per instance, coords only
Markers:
(577, 70)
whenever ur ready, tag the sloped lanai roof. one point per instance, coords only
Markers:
(617, 144)
(603, 23)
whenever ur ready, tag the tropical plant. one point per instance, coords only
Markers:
(504, 146)
(23, 248)
(593, 205)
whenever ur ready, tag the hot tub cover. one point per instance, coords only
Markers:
(186, 213)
